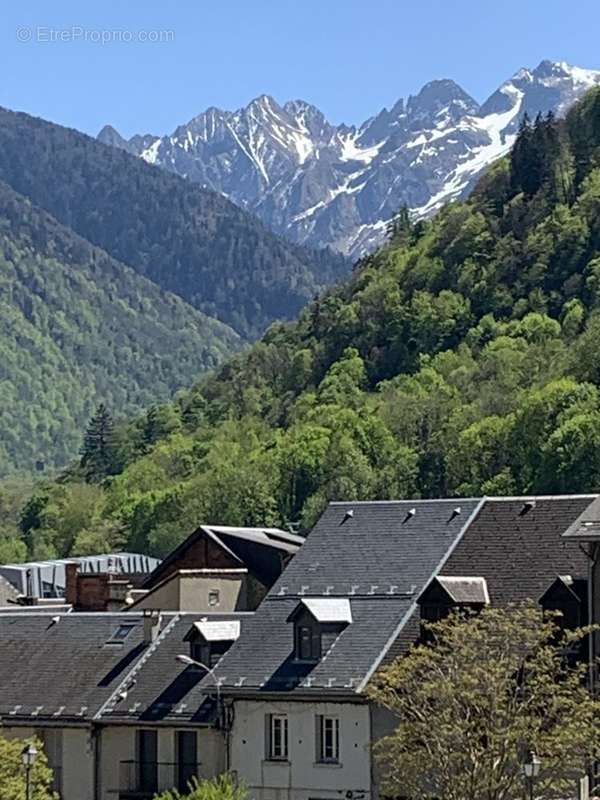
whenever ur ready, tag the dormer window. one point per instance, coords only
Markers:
(567, 595)
(318, 621)
(211, 639)
(448, 593)
(308, 642)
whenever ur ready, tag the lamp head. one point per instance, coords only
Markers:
(531, 768)
(29, 755)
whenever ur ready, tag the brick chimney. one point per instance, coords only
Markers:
(71, 570)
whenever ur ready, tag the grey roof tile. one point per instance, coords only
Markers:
(160, 688)
(379, 557)
(62, 669)
(586, 528)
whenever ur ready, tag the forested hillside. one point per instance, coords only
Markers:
(190, 241)
(460, 359)
(76, 327)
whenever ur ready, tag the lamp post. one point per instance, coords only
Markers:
(190, 662)
(28, 756)
(531, 770)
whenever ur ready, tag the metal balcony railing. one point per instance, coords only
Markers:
(141, 780)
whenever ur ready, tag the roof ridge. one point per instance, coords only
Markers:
(449, 550)
(136, 668)
(494, 498)
(417, 501)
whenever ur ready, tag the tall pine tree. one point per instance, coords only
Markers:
(100, 452)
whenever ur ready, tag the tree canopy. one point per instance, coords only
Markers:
(459, 359)
(12, 776)
(223, 787)
(473, 703)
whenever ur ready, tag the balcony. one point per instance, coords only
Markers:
(141, 780)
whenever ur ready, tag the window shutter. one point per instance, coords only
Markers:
(319, 737)
(268, 725)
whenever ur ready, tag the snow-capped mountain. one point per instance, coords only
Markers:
(338, 185)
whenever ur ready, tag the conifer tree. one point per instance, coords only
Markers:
(100, 452)
(400, 226)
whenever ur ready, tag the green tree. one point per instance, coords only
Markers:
(472, 703)
(12, 778)
(223, 787)
(100, 452)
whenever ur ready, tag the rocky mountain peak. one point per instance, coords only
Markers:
(337, 185)
(111, 136)
(440, 95)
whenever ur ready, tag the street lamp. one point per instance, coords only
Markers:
(28, 756)
(531, 770)
(190, 662)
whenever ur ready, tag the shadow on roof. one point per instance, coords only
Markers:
(122, 665)
(166, 701)
(289, 675)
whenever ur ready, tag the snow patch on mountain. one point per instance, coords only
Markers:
(338, 186)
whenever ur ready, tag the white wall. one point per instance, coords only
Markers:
(301, 778)
(75, 756)
(118, 743)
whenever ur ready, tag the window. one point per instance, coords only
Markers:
(308, 643)
(277, 737)
(186, 748)
(200, 651)
(122, 632)
(208, 653)
(213, 597)
(147, 749)
(328, 739)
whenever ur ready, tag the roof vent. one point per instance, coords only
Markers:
(456, 512)
(528, 506)
(348, 515)
(409, 515)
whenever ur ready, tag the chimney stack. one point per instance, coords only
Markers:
(152, 622)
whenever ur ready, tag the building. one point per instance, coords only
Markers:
(353, 599)
(37, 580)
(119, 716)
(131, 703)
(219, 568)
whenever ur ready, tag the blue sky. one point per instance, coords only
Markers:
(349, 57)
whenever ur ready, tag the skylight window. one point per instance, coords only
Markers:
(122, 632)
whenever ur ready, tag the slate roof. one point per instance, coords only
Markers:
(48, 578)
(327, 609)
(520, 554)
(381, 557)
(259, 549)
(159, 688)
(220, 630)
(586, 528)
(64, 670)
(74, 671)
(378, 558)
(465, 590)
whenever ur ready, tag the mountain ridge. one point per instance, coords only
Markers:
(189, 240)
(339, 185)
(460, 359)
